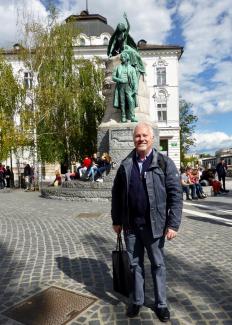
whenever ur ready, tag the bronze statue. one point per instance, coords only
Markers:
(120, 38)
(122, 41)
(126, 88)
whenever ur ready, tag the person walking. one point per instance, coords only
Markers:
(2, 177)
(221, 169)
(8, 176)
(147, 205)
(27, 177)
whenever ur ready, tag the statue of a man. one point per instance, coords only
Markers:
(126, 88)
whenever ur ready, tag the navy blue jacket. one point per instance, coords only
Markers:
(164, 192)
(221, 170)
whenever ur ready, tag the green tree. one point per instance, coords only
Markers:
(205, 155)
(65, 96)
(187, 126)
(11, 95)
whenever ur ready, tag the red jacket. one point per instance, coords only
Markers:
(87, 162)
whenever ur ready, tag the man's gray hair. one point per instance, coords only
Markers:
(147, 125)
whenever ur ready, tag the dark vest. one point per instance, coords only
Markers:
(139, 208)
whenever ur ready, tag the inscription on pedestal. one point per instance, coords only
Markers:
(121, 135)
(121, 139)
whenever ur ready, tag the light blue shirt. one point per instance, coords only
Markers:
(141, 161)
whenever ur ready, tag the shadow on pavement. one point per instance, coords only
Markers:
(209, 220)
(213, 204)
(187, 281)
(93, 274)
(11, 272)
(192, 283)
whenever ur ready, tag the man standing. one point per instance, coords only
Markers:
(126, 89)
(221, 169)
(147, 205)
(2, 176)
(27, 176)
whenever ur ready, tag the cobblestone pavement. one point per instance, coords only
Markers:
(46, 242)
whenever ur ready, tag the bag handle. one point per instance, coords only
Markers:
(119, 245)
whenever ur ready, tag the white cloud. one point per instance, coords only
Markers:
(149, 19)
(8, 17)
(207, 29)
(212, 141)
(207, 32)
(12, 12)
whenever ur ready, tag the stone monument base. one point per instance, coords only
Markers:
(117, 140)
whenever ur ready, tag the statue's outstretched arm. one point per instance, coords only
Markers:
(127, 22)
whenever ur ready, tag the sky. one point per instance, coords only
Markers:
(202, 27)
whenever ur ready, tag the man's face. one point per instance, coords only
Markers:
(124, 58)
(143, 140)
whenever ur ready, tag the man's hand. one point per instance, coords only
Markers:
(170, 234)
(117, 229)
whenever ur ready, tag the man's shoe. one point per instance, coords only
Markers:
(123, 119)
(132, 310)
(163, 314)
(195, 198)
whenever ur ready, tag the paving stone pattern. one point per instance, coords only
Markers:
(44, 242)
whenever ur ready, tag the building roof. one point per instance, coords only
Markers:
(143, 46)
(90, 24)
(95, 25)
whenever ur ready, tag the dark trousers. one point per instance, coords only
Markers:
(7, 181)
(125, 95)
(185, 189)
(136, 241)
(199, 190)
(192, 187)
(2, 183)
(223, 179)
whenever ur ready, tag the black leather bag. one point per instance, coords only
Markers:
(122, 275)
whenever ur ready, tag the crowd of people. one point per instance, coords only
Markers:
(194, 179)
(91, 169)
(5, 176)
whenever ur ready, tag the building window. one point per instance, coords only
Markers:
(82, 42)
(28, 80)
(161, 76)
(164, 146)
(162, 112)
(105, 41)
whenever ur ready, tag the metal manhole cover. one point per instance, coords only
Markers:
(88, 215)
(53, 306)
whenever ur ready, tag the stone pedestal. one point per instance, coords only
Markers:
(117, 140)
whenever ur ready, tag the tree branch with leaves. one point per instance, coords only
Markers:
(187, 126)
